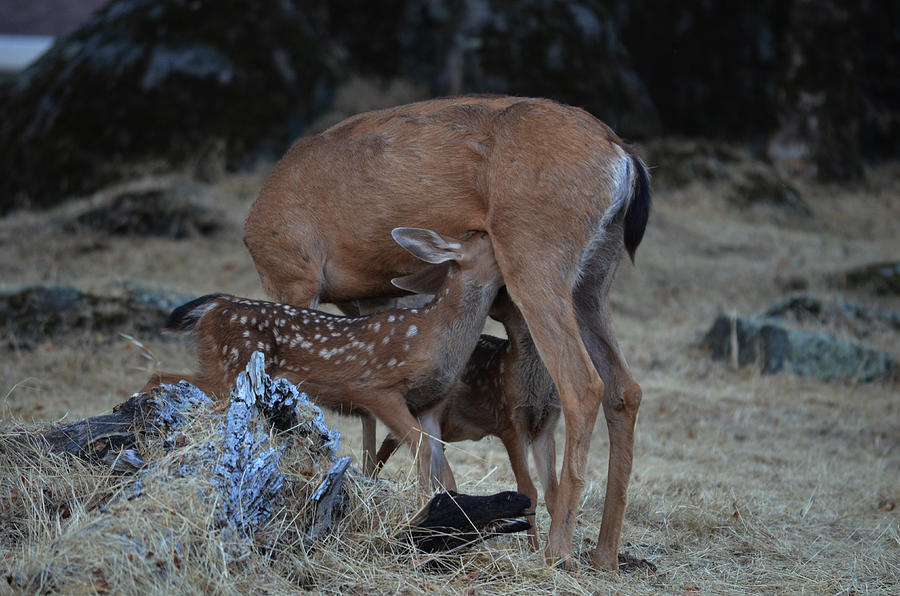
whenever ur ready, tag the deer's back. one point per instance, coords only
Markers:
(335, 197)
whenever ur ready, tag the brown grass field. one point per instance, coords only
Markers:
(741, 482)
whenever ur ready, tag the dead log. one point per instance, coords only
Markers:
(111, 438)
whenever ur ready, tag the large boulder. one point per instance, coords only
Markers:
(821, 79)
(818, 98)
(775, 347)
(159, 81)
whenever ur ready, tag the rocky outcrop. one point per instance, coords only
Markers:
(167, 82)
(158, 81)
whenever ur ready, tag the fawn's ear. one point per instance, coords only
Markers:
(426, 281)
(429, 246)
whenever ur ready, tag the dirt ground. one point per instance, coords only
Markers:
(741, 482)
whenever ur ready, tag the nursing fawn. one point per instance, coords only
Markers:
(395, 365)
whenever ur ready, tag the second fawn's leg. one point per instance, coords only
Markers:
(544, 448)
(387, 449)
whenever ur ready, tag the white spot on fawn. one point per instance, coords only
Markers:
(412, 331)
(391, 319)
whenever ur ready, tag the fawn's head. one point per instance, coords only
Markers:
(473, 255)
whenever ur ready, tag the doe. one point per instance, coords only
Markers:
(562, 198)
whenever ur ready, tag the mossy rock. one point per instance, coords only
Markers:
(38, 312)
(678, 162)
(761, 184)
(776, 348)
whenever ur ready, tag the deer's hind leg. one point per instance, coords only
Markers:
(622, 394)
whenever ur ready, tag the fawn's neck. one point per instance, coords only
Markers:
(460, 308)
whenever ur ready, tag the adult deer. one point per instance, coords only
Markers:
(559, 194)
(396, 364)
(505, 392)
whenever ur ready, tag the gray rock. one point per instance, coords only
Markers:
(40, 311)
(778, 348)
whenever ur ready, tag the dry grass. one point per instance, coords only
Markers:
(741, 482)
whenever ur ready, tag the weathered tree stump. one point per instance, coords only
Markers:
(243, 463)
